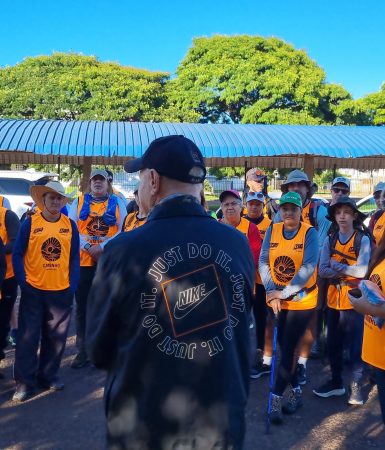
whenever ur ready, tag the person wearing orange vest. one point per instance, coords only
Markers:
(344, 262)
(4, 202)
(288, 268)
(9, 227)
(99, 216)
(313, 213)
(255, 202)
(134, 219)
(373, 347)
(231, 206)
(377, 220)
(46, 265)
(4, 324)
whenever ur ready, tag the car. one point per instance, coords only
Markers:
(15, 185)
(367, 205)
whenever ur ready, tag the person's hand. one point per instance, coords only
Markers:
(95, 251)
(273, 294)
(360, 304)
(275, 305)
(335, 265)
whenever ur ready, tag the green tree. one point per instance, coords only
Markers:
(374, 106)
(72, 86)
(250, 79)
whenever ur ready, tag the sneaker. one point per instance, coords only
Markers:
(355, 396)
(12, 338)
(330, 389)
(51, 386)
(22, 393)
(301, 374)
(293, 402)
(259, 369)
(79, 361)
(276, 409)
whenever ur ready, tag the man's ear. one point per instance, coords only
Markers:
(154, 182)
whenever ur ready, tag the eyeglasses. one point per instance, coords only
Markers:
(230, 204)
(258, 195)
(342, 190)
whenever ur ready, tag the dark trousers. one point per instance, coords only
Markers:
(345, 326)
(86, 277)
(7, 301)
(260, 313)
(44, 317)
(380, 380)
(291, 327)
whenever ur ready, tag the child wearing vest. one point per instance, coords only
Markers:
(46, 265)
(343, 262)
(373, 347)
(288, 268)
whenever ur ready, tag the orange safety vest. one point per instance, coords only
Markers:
(243, 226)
(1, 201)
(132, 221)
(285, 260)
(378, 229)
(338, 292)
(94, 230)
(373, 346)
(47, 258)
(5, 239)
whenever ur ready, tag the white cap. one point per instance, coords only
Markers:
(342, 180)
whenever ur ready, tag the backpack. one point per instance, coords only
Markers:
(313, 210)
(360, 233)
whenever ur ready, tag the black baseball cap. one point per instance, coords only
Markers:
(172, 156)
(345, 200)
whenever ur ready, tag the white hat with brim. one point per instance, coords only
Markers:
(38, 192)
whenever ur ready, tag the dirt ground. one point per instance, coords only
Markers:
(74, 418)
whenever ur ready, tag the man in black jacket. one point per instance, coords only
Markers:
(169, 314)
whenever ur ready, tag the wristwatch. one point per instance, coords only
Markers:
(87, 246)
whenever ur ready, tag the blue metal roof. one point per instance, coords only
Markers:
(130, 139)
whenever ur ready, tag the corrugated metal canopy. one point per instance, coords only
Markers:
(222, 145)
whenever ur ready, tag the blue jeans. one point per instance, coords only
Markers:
(345, 326)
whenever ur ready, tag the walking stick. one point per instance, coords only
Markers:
(272, 372)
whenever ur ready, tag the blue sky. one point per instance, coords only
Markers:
(345, 37)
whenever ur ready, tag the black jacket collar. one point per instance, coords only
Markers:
(179, 205)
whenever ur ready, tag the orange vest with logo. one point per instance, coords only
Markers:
(4, 238)
(373, 346)
(338, 293)
(379, 228)
(285, 260)
(243, 226)
(93, 229)
(262, 228)
(47, 258)
(305, 217)
(131, 222)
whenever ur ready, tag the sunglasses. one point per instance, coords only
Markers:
(343, 191)
(257, 195)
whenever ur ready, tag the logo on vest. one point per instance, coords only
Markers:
(194, 301)
(273, 244)
(190, 299)
(37, 230)
(64, 230)
(351, 250)
(51, 249)
(284, 269)
(375, 278)
(298, 246)
(97, 227)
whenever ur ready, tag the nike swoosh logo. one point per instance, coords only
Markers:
(182, 312)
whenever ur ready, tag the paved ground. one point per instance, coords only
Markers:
(73, 418)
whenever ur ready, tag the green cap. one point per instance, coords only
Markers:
(291, 197)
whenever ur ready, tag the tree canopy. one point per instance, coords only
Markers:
(251, 79)
(71, 86)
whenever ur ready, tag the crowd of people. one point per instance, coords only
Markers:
(166, 295)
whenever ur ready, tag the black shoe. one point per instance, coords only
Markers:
(259, 369)
(22, 393)
(293, 402)
(330, 389)
(276, 409)
(301, 374)
(79, 361)
(355, 397)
